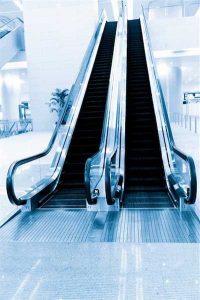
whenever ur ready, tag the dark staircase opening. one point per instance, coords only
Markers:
(145, 185)
(70, 192)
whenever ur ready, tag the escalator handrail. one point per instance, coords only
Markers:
(109, 196)
(92, 200)
(72, 95)
(188, 159)
(118, 131)
(11, 21)
(104, 138)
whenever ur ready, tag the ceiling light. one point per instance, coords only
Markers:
(12, 81)
(176, 53)
(18, 3)
(15, 65)
(163, 69)
(183, 68)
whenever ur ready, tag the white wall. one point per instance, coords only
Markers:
(111, 7)
(57, 34)
(175, 33)
(134, 8)
(13, 90)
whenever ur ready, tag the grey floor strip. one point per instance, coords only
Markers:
(136, 226)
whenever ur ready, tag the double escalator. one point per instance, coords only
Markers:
(144, 181)
(145, 185)
(70, 192)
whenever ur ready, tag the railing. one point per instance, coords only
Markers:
(109, 154)
(29, 179)
(15, 127)
(10, 26)
(4, 20)
(189, 122)
(182, 174)
(114, 170)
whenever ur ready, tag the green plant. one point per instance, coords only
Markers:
(58, 100)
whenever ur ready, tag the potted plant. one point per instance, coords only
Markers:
(57, 101)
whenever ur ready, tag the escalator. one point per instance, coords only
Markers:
(145, 185)
(70, 192)
(11, 39)
(74, 166)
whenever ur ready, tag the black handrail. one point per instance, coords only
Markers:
(109, 196)
(104, 136)
(91, 200)
(12, 169)
(191, 198)
(188, 159)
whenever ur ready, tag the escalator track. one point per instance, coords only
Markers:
(145, 185)
(70, 192)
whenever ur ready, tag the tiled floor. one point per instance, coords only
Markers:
(68, 257)
(60, 254)
(40, 271)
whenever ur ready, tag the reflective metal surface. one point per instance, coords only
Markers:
(179, 167)
(115, 166)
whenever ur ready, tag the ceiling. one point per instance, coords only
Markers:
(11, 9)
